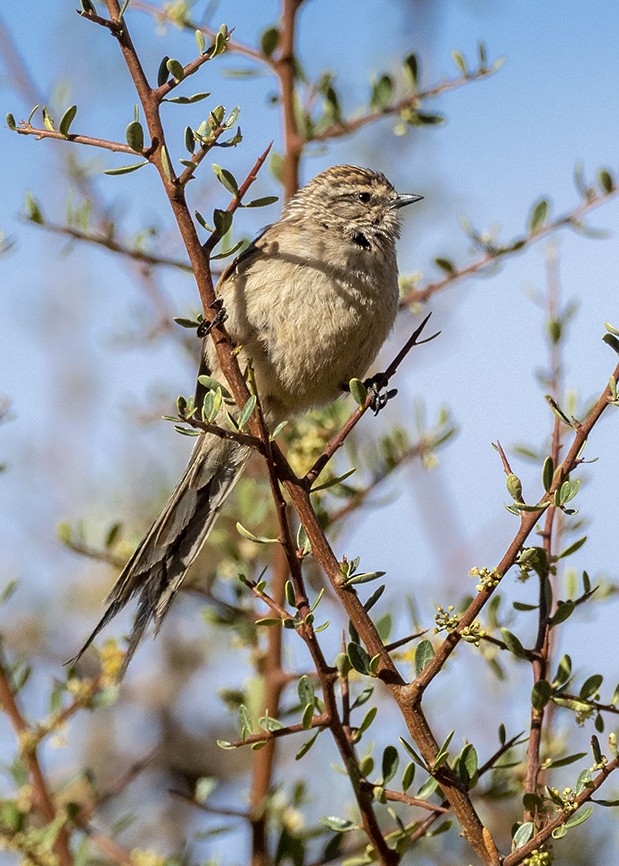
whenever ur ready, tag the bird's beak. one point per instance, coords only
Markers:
(405, 198)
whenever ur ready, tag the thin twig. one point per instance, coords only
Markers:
(520, 854)
(570, 218)
(337, 442)
(43, 799)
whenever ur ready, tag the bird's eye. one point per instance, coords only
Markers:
(365, 197)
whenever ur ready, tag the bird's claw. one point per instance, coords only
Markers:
(378, 397)
(205, 327)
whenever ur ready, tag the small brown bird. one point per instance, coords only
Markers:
(310, 302)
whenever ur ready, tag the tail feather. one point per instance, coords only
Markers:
(158, 566)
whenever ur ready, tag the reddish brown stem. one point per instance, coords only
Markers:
(285, 69)
(42, 797)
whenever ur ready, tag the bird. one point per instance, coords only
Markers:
(309, 303)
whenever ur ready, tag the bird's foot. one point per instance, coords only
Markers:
(378, 396)
(205, 327)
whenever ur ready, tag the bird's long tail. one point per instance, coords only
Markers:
(160, 562)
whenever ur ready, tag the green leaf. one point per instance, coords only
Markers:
(226, 178)
(579, 818)
(212, 384)
(33, 210)
(460, 62)
(441, 755)
(557, 410)
(568, 491)
(338, 825)
(224, 254)
(523, 834)
(513, 644)
(514, 487)
(424, 653)
(200, 41)
(408, 776)
(134, 135)
(66, 120)
(520, 605)
(611, 341)
(521, 506)
(427, 789)
(411, 68)
(540, 694)
(113, 534)
(88, 7)
(468, 763)
(245, 721)
(269, 41)
(359, 657)
(224, 744)
(445, 265)
(564, 610)
(305, 689)
(175, 69)
(382, 93)
(611, 330)
(564, 670)
(31, 115)
(365, 577)
(187, 100)
(258, 539)
(333, 481)
(48, 122)
(413, 754)
(269, 724)
(268, 620)
(389, 765)
(358, 391)
(590, 686)
(190, 139)
(162, 72)
(307, 745)
(538, 216)
(222, 220)
(548, 471)
(564, 762)
(261, 202)
(247, 411)
(220, 41)
(606, 180)
(125, 169)
(10, 121)
(365, 695)
(165, 164)
(367, 721)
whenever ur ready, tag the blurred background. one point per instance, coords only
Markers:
(91, 359)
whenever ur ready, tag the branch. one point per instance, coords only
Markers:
(233, 45)
(493, 254)
(41, 795)
(400, 797)
(25, 128)
(285, 69)
(564, 815)
(321, 721)
(527, 524)
(346, 127)
(109, 243)
(595, 705)
(337, 442)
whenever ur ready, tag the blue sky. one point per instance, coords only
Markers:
(69, 319)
